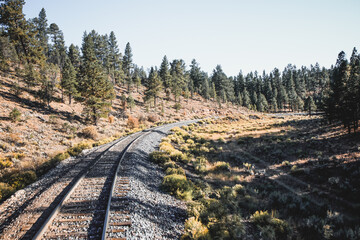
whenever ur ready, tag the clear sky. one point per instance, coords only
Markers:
(237, 34)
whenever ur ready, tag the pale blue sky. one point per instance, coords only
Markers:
(237, 34)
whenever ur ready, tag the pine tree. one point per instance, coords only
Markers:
(49, 75)
(131, 102)
(246, 99)
(42, 30)
(74, 57)
(68, 80)
(113, 59)
(213, 91)
(352, 99)
(95, 88)
(178, 78)
(165, 76)
(57, 53)
(195, 76)
(273, 105)
(310, 105)
(7, 53)
(205, 88)
(239, 100)
(222, 83)
(336, 104)
(153, 87)
(136, 78)
(21, 32)
(262, 104)
(128, 65)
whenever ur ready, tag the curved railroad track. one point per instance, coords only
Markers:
(88, 200)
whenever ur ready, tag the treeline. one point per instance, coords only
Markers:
(90, 73)
(343, 101)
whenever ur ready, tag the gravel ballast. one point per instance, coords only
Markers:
(154, 214)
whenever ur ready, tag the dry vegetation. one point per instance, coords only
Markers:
(32, 134)
(252, 177)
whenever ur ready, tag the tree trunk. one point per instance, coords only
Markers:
(94, 116)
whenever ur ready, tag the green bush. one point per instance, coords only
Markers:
(176, 184)
(178, 156)
(271, 227)
(20, 180)
(200, 164)
(179, 171)
(5, 190)
(77, 149)
(159, 157)
(222, 167)
(15, 115)
(170, 164)
(177, 106)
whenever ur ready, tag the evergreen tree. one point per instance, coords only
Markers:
(239, 100)
(336, 103)
(153, 87)
(95, 88)
(273, 105)
(310, 105)
(178, 78)
(352, 99)
(131, 102)
(136, 78)
(205, 88)
(114, 59)
(127, 65)
(42, 30)
(49, 75)
(282, 97)
(262, 104)
(165, 76)
(20, 32)
(213, 91)
(74, 57)
(222, 84)
(195, 76)
(246, 99)
(254, 98)
(57, 53)
(68, 80)
(7, 53)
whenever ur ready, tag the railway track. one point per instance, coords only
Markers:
(87, 202)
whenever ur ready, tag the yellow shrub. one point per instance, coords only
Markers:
(194, 229)
(166, 147)
(77, 149)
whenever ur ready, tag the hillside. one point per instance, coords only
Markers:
(42, 132)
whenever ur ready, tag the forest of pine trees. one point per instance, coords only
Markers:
(37, 52)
